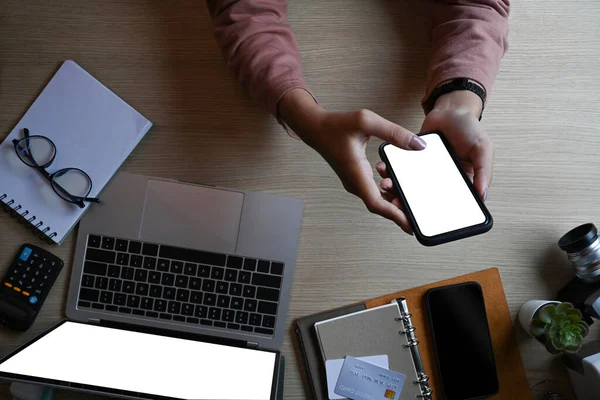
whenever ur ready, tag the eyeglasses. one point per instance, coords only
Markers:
(70, 184)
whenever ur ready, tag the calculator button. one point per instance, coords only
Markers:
(16, 289)
(33, 299)
(8, 284)
(93, 241)
(25, 254)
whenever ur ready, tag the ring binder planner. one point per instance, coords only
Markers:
(386, 329)
(412, 343)
(43, 231)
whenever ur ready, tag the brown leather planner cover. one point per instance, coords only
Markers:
(511, 374)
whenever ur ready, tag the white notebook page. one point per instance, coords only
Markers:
(93, 130)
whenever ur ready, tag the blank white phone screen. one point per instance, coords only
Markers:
(145, 363)
(434, 189)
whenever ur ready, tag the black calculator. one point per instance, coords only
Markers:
(26, 285)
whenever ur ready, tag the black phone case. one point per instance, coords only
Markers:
(431, 328)
(448, 236)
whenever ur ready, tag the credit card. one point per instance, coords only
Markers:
(333, 368)
(360, 380)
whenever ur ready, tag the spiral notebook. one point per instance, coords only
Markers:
(386, 330)
(92, 128)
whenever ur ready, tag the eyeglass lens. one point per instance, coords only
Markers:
(36, 151)
(73, 182)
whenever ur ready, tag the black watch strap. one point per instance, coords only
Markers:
(455, 84)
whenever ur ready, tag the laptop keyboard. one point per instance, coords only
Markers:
(183, 285)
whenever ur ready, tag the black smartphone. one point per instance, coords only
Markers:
(440, 201)
(462, 342)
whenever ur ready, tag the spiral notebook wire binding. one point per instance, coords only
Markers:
(17, 212)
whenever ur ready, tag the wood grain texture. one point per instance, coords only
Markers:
(160, 56)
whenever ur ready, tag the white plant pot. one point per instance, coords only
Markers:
(528, 310)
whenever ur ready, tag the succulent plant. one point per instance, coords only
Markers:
(560, 327)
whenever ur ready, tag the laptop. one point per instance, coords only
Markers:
(177, 290)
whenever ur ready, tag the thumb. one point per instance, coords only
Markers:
(375, 125)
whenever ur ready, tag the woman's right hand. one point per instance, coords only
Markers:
(341, 139)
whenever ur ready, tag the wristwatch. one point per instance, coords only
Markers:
(455, 84)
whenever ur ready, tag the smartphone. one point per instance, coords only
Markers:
(440, 201)
(462, 342)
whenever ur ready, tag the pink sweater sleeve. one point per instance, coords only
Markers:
(259, 47)
(469, 38)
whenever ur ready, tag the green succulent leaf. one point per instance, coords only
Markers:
(553, 330)
(562, 308)
(556, 343)
(547, 313)
(538, 327)
(572, 349)
(574, 311)
(574, 319)
(585, 329)
(551, 349)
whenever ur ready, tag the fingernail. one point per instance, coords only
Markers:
(416, 143)
(485, 194)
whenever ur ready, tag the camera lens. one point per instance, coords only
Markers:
(583, 250)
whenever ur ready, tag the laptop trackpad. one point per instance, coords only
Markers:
(187, 215)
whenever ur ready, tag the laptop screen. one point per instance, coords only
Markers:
(115, 360)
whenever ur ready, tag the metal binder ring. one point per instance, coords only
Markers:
(30, 220)
(3, 196)
(411, 343)
(39, 224)
(24, 213)
(46, 229)
(423, 378)
(426, 393)
(52, 235)
(409, 329)
(10, 202)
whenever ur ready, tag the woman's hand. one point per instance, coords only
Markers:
(456, 115)
(341, 139)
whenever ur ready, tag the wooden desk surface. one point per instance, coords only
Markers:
(160, 57)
